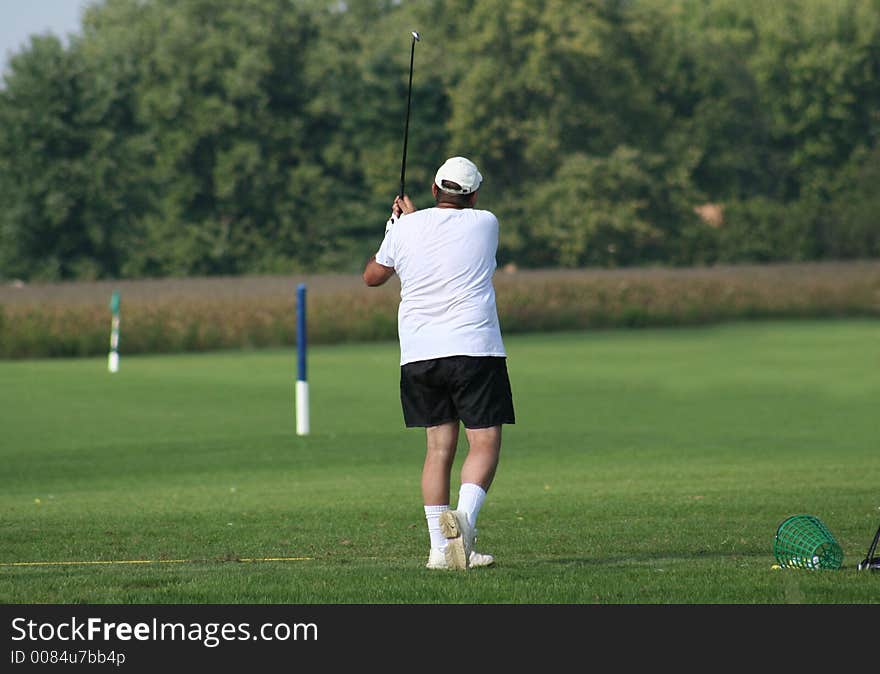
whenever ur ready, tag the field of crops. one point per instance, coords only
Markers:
(190, 315)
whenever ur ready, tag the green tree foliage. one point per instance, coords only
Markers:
(43, 231)
(219, 96)
(183, 137)
(630, 208)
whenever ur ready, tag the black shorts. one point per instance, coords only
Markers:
(472, 389)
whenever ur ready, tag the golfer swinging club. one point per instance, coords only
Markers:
(453, 367)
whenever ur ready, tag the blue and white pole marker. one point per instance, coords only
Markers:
(113, 359)
(302, 384)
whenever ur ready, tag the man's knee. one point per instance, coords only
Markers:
(484, 439)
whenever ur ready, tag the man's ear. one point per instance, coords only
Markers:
(434, 190)
(474, 197)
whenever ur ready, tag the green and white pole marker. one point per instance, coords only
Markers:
(113, 359)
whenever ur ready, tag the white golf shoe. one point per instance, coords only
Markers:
(437, 560)
(459, 535)
(478, 559)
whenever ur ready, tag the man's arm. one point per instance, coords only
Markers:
(376, 274)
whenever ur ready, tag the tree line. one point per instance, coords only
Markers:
(203, 137)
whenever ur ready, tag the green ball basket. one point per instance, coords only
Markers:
(804, 542)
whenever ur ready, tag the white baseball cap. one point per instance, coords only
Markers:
(461, 171)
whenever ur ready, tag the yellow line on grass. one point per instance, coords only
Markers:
(157, 561)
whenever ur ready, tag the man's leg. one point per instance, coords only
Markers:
(441, 442)
(482, 460)
(477, 473)
(478, 470)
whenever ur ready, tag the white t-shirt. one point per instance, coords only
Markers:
(445, 259)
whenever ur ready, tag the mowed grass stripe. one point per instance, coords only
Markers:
(645, 466)
(102, 562)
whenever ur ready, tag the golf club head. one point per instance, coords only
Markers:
(416, 36)
(873, 564)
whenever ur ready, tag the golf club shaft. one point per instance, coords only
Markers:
(873, 547)
(412, 54)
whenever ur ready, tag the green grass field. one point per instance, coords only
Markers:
(646, 466)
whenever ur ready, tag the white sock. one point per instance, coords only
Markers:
(432, 515)
(470, 500)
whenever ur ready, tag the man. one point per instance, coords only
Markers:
(453, 363)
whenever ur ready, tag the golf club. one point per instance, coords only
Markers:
(412, 53)
(870, 561)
